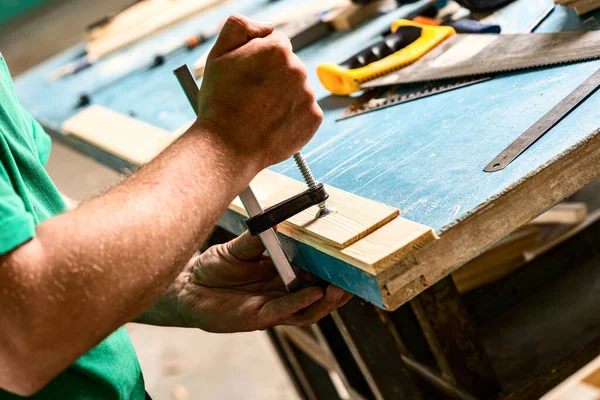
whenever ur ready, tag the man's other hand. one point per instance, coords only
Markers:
(255, 94)
(234, 287)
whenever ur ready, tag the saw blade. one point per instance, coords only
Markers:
(384, 97)
(544, 124)
(472, 55)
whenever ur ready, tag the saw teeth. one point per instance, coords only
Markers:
(499, 71)
(368, 102)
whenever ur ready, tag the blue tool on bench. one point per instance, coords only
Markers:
(471, 26)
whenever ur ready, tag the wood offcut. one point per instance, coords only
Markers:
(140, 21)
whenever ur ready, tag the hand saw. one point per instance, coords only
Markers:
(464, 55)
(388, 96)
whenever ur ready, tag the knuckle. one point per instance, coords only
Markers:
(236, 20)
(317, 113)
(299, 72)
(298, 69)
(279, 48)
(280, 37)
(310, 95)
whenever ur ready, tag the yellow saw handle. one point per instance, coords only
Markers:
(341, 80)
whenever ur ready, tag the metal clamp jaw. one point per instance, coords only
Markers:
(286, 209)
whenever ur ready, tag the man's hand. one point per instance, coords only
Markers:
(234, 287)
(256, 94)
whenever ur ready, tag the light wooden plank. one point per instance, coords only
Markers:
(522, 246)
(566, 3)
(586, 7)
(593, 384)
(128, 138)
(349, 17)
(355, 217)
(498, 261)
(538, 251)
(372, 250)
(389, 244)
(308, 345)
(142, 20)
(593, 378)
(563, 213)
(360, 232)
(581, 6)
(363, 233)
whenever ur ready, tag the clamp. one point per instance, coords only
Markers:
(262, 222)
(288, 208)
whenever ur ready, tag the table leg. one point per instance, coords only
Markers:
(448, 329)
(374, 350)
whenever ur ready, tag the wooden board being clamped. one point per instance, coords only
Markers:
(408, 42)
(274, 215)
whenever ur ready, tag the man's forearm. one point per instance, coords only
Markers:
(166, 310)
(90, 270)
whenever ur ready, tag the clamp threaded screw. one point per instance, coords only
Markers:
(309, 178)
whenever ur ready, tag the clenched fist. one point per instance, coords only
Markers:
(256, 95)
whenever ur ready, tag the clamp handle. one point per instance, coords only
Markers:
(286, 209)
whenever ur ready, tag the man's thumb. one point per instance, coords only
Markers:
(246, 247)
(237, 31)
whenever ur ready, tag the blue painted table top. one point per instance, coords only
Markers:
(424, 157)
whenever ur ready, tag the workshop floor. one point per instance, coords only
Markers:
(178, 364)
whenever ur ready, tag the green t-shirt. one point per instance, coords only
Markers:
(27, 198)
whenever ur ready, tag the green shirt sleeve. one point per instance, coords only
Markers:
(16, 224)
(41, 138)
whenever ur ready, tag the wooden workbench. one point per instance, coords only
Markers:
(424, 157)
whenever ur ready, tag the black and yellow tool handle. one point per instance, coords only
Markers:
(383, 57)
(390, 44)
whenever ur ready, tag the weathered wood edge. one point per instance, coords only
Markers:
(543, 188)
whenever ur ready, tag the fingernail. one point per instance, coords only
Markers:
(339, 298)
